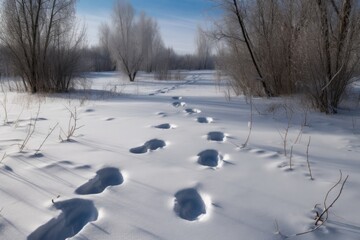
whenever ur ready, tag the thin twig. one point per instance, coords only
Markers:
(31, 130)
(307, 158)
(3, 157)
(47, 136)
(72, 126)
(326, 210)
(320, 221)
(291, 155)
(250, 123)
(298, 138)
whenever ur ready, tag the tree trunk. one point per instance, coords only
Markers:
(248, 45)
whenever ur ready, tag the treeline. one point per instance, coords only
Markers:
(41, 42)
(132, 43)
(282, 47)
(96, 60)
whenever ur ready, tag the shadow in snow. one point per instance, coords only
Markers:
(104, 177)
(76, 213)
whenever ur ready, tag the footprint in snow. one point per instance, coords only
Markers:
(177, 98)
(83, 167)
(165, 126)
(151, 145)
(210, 158)
(192, 111)
(109, 119)
(89, 110)
(104, 177)
(161, 114)
(76, 213)
(216, 136)
(264, 153)
(39, 119)
(205, 120)
(189, 205)
(178, 104)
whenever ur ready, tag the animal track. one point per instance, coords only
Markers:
(76, 213)
(104, 178)
(189, 205)
(192, 111)
(205, 120)
(216, 136)
(165, 126)
(210, 158)
(151, 145)
(179, 104)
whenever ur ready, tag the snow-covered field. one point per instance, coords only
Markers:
(164, 160)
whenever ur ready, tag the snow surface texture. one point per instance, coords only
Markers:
(164, 160)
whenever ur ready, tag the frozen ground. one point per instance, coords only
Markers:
(163, 160)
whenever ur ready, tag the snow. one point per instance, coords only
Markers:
(163, 160)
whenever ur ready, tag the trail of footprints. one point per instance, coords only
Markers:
(77, 213)
(188, 204)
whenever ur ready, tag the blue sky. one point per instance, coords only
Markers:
(177, 19)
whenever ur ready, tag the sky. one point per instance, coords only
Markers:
(177, 19)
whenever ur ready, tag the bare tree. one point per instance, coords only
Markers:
(291, 46)
(105, 61)
(125, 42)
(204, 48)
(42, 41)
(134, 42)
(338, 48)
